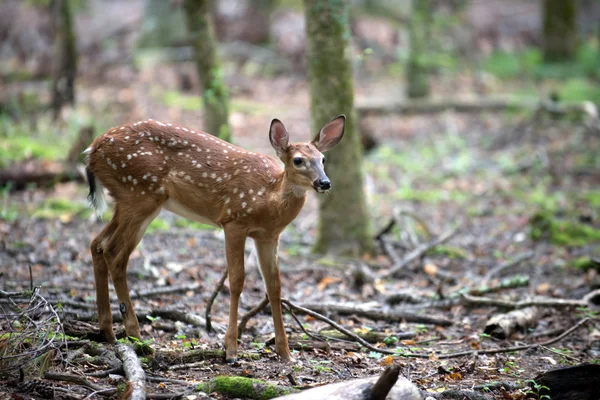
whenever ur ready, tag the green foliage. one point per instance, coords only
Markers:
(544, 225)
(537, 390)
(390, 340)
(60, 208)
(158, 225)
(143, 347)
(585, 263)
(573, 81)
(8, 210)
(41, 138)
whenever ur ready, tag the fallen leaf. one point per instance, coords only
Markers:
(455, 376)
(385, 361)
(326, 281)
(430, 269)
(543, 288)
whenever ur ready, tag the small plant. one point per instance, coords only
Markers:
(536, 390)
(259, 345)
(390, 340)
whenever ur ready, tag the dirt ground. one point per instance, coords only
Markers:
(487, 174)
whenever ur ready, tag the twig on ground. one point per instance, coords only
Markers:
(508, 264)
(428, 356)
(585, 301)
(340, 328)
(160, 291)
(246, 317)
(175, 315)
(79, 380)
(212, 298)
(377, 314)
(104, 374)
(419, 251)
(133, 371)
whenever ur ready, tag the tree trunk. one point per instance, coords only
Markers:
(560, 33)
(65, 66)
(214, 92)
(344, 220)
(417, 74)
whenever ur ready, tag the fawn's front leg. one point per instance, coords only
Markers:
(234, 252)
(267, 256)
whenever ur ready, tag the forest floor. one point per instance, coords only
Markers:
(516, 187)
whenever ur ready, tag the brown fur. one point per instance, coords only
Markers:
(149, 165)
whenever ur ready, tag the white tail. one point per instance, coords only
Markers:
(150, 165)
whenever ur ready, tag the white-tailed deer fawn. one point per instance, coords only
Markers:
(150, 165)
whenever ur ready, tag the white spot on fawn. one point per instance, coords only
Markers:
(244, 204)
(242, 195)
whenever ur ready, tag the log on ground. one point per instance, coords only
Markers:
(246, 388)
(389, 386)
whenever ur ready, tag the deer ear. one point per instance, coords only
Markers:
(279, 137)
(331, 134)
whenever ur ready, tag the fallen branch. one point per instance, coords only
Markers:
(80, 380)
(369, 336)
(585, 301)
(212, 298)
(335, 325)
(161, 291)
(419, 251)
(247, 388)
(133, 371)
(377, 314)
(175, 315)
(41, 173)
(186, 357)
(378, 107)
(246, 317)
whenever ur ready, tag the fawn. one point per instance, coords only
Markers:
(150, 165)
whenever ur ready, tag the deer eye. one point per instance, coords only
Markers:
(323, 160)
(297, 161)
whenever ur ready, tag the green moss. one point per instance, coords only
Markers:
(585, 263)
(543, 225)
(593, 198)
(237, 386)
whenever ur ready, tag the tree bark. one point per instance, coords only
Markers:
(417, 74)
(560, 33)
(344, 220)
(65, 66)
(214, 91)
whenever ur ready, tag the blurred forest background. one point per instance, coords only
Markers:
(473, 140)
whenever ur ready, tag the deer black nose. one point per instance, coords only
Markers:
(324, 184)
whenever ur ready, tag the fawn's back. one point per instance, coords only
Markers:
(190, 173)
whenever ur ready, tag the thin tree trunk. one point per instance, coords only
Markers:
(65, 67)
(214, 91)
(417, 74)
(344, 221)
(560, 32)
